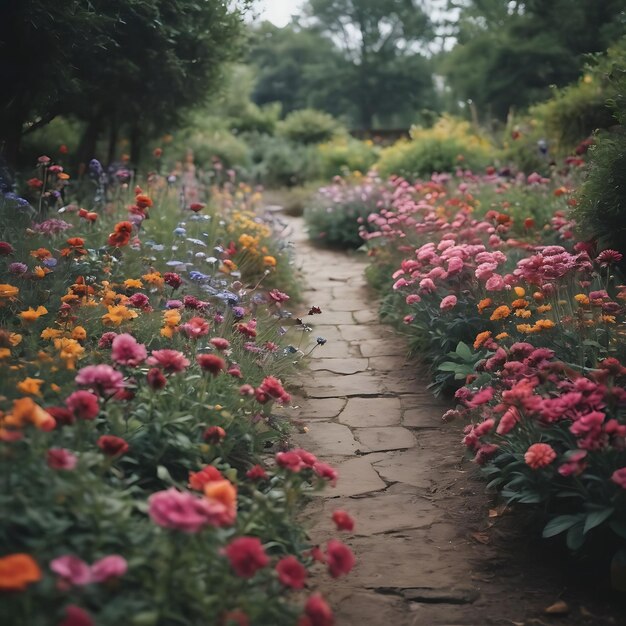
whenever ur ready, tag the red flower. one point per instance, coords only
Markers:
(317, 612)
(608, 257)
(172, 279)
(343, 520)
(220, 343)
(207, 474)
(34, 183)
(196, 206)
(325, 471)
(235, 618)
(539, 455)
(214, 434)
(61, 414)
(339, 558)
(290, 461)
(112, 445)
(256, 473)
(61, 459)
(156, 379)
(291, 572)
(246, 555)
(83, 404)
(75, 616)
(5, 248)
(272, 389)
(171, 361)
(211, 363)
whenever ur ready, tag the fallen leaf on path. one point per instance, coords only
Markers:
(481, 538)
(558, 608)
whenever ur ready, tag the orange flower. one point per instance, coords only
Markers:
(31, 315)
(121, 234)
(8, 291)
(582, 299)
(26, 410)
(520, 303)
(484, 304)
(223, 491)
(520, 292)
(30, 386)
(17, 571)
(133, 283)
(543, 308)
(79, 333)
(269, 261)
(154, 278)
(481, 338)
(69, 350)
(525, 313)
(526, 328)
(40, 272)
(117, 314)
(502, 336)
(500, 313)
(41, 253)
(544, 324)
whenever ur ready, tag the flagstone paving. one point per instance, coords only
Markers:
(426, 550)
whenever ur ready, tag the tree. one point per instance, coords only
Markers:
(136, 64)
(381, 40)
(509, 53)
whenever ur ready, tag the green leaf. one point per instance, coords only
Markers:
(464, 351)
(619, 528)
(559, 524)
(575, 537)
(164, 475)
(595, 518)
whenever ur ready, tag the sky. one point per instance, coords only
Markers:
(278, 12)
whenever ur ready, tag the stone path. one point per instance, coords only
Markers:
(422, 537)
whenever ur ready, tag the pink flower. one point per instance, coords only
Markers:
(61, 459)
(112, 566)
(290, 460)
(183, 511)
(106, 340)
(272, 389)
(608, 257)
(508, 421)
(220, 343)
(495, 283)
(539, 455)
(246, 556)
(256, 472)
(339, 558)
(102, 379)
(112, 445)
(125, 350)
(317, 612)
(278, 296)
(449, 302)
(196, 327)
(83, 404)
(155, 379)
(291, 572)
(325, 471)
(413, 299)
(72, 570)
(427, 285)
(619, 477)
(169, 360)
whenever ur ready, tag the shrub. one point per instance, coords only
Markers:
(309, 126)
(449, 144)
(344, 155)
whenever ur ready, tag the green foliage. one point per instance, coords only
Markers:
(344, 155)
(444, 147)
(308, 126)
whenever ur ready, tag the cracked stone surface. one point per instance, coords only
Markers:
(366, 410)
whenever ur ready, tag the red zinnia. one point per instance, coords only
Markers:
(83, 404)
(75, 616)
(339, 558)
(211, 363)
(343, 520)
(256, 473)
(246, 555)
(291, 572)
(317, 612)
(207, 474)
(112, 445)
(214, 434)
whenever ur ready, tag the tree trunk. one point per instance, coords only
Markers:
(11, 123)
(113, 135)
(88, 142)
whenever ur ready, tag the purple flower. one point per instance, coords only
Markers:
(18, 268)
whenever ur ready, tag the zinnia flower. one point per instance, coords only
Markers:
(291, 572)
(539, 455)
(17, 571)
(61, 459)
(182, 511)
(169, 360)
(102, 379)
(211, 363)
(317, 612)
(246, 556)
(126, 350)
(609, 257)
(339, 558)
(83, 404)
(112, 445)
(449, 302)
(343, 520)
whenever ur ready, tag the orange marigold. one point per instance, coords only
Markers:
(17, 571)
(484, 304)
(500, 313)
(481, 338)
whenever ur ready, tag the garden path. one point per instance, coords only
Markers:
(429, 550)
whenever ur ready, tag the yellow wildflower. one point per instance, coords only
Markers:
(40, 272)
(79, 333)
(526, 328)
(154, 278)
(69, 351)
(117, 314)
(581, 298)
(269, 261)
(31, 315)
(133, 283)
(51, 333)
(31, 386)
(520, 292)
(171, 317)
(608, 319)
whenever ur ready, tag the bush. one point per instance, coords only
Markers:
(340, 210)
(449, 144)
(344, 155)
(309, 126)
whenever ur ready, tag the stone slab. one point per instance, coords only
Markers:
(411, 467)
(323, 408)
(366, 316)
(425, 416)
(361, 384)
(356, 477)
(364, 333)
(386, 438)
(327, 438)
(383, 347)
(363, 412)
(339, 366)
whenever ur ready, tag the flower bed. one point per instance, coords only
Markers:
(528, 325)
(142, 345)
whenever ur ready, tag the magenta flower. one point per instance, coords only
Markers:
(196, 327)
(71, 570)
(61, 459)
(125, 350)
(169, 360)
(103, 379)
(112, 566)
(449, 302)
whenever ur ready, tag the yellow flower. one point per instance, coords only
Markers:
(609, 319)
(525, 313)
(481, 338)
(500, 313)
(502, 336)
(526, 328)
(8, 291)
(51, 333)
(519, 292)
(168, 331)
(40, 272)
(543, 308)
(269, 261)
(30, 315)
(154, 278)
(581, 298)
(248, 241)
(79, 333)
(133, 283)
(69, 351)
(171, 317)
(31, 386)
(117, 314)
(15, 339)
